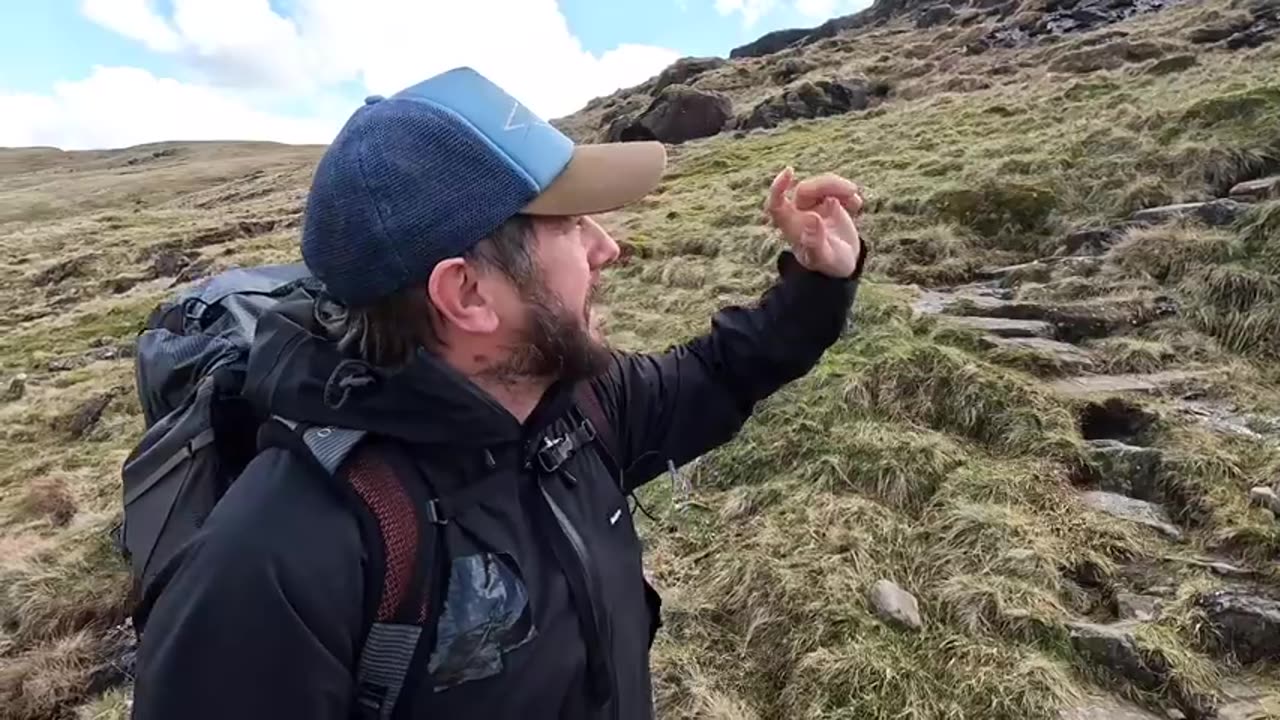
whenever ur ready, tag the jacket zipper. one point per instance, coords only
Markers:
(580, 549)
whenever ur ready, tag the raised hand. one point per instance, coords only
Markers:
(817, 220)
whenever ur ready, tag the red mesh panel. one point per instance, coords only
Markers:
(376, 483)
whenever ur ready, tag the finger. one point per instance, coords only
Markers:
(778, 189)
(811, 192)
(835, 212)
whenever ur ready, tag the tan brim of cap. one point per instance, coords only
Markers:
(603, 177)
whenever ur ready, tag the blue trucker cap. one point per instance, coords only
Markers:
(427, 173)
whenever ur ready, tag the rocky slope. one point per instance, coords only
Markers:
(1036, 479)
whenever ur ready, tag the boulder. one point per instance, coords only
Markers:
(64, 364)
(1126, 469)
(1243, 624)
(1137, 511)
(936, 15)
(896, 606)
(1261, 189)
(1221, 30)
(819, 98)
(169, 263)
(680, 113)
(683, 70)
(1214, 213)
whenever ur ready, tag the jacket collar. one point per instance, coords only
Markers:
(297, 372)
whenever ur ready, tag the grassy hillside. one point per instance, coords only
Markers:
(921, 451)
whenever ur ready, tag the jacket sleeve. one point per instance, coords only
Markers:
(676, 405)
(258, 616)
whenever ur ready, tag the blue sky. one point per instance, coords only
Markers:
(109, 73)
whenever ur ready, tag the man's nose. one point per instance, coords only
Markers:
(602, 249)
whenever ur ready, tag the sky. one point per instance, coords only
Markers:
(90, 74)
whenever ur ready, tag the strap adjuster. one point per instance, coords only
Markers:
(435, 514)
(557, 451)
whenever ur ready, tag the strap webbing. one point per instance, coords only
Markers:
(384, 662)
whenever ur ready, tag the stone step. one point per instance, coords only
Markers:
(1070, 357)
(1086, 385)
(1215, 213)
(1127, 508)
(982, 297)
(1254, 190)
(1001, 327)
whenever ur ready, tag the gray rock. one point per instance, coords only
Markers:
(1265, 497)
(980, 297)
(1127, 508)
(1126, 469)
(1113, 648)
(1137, 607)
(1243, 624)
(1261, 189)
(17, 388)
(896, 606)
(1087, 385)
(683, 70)
(1106, 708)
(63, 364)
(819, 98)
(1001, 327)
(88, 414)
(681, 113)
(1214, 213)
(1011, 275)
(1063, 355)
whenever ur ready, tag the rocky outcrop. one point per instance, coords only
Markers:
(1110, 384)
(1172, 64)
(87, 415)
(1247, 28)
(896, 606)
(682, 71)
(1137, 511)
(1214, 213)
(780, 40)
(1243, 624)
(1090, 241)
(678, 114)
(1130, 606)
(821, 98)
(1001, 327)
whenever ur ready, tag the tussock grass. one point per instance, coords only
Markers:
(46, 681)
(1135, 355)
(950, 391)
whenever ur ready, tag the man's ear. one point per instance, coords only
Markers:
(460, 298)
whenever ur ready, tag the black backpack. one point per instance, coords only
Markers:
(200, 433)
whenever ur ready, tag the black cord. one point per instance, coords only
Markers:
(643, 510)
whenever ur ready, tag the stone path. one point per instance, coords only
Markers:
(1123, 478)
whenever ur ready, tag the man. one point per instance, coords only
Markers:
(454, 233)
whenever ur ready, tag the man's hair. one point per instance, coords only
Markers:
(388, 332)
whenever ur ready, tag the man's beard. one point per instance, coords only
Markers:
(555, 344)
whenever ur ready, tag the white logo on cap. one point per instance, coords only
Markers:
(511, 119)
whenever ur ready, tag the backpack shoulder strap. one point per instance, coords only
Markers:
(403, 545)
(589, 403)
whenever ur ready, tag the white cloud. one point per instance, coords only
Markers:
(121, 106)
(524, 45)
(752, 10)
(817, 10)
(134, 19)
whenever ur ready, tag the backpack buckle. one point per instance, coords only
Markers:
(434, 513)
(557, 451)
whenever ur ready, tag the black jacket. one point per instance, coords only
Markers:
(261, 614)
